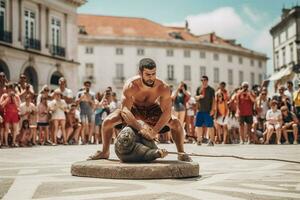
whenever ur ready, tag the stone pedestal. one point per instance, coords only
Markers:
(114, 169)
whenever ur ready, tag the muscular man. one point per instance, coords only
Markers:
(148, 99)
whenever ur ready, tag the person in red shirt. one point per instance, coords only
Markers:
(245, 102)
(10, 102)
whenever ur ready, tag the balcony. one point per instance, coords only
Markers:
(30, 43)
(119, 81)
(5, 36)
(57, 51)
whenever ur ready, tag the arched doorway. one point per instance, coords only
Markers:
(55, 78)
(32, 77)
(4, 68)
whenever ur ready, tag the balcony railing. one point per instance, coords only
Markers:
(57, 51)
(6, 36)
(30, 43)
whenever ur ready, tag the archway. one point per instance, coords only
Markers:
(32, 77)
(55, 78)
(4, 68)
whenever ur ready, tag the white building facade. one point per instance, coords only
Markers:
(39, 39)
(110, 57)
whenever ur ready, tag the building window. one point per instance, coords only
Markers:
(230, 76)
(202, 54)
(30, 25)
(56, 31)
(241, 76)
(89, 50)
(202, 71)
(216, 75)
(240, 60)
(2, 15)
(229, 58)
(259, 64)
(260, 78)
(252, 78)
(283, 56)
(187, 53)
(170, 72)
(89, 70)
(252, 62)
(170, 52)
(291, 52)
(277, 60)
(216, 56)
(119, 51)
(119, 71)
(187, 72)
(140, 52)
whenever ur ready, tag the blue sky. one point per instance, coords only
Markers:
(247, 21)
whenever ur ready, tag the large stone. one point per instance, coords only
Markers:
(114, 169)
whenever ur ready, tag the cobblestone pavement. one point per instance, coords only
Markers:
(43, 173)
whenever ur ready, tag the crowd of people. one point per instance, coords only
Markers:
(212, 116)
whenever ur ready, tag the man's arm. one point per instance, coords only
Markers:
(166, 107)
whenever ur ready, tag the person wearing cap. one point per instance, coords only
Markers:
(67, 93)
(245, 102)
(58, 107)
(86, 100)
(23, 88)
(274, 121)
(290, 122)
(296, 99)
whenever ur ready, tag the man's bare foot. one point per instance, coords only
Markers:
(163, 152)
(98, 155)
(184, 157)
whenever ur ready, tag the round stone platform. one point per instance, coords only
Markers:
(114, 169)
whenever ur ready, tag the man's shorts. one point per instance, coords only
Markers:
(246, 119)
(204, 119)
(87, 118)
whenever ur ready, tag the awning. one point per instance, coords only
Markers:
(282, 74)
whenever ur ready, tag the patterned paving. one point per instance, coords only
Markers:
(43, 173)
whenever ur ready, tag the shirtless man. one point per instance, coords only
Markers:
(148, 99)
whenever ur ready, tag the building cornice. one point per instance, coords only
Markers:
(77, 2)
(295, 14)
(86, 39)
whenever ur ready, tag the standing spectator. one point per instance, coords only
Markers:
(222, 89)
(67, 93)
(28, 112)
(43, 120)
(289, 90)
(10, 101)
(45, 91)
(290, 122)
(85, 98)
(3, 82)
(274, 119)
(58, 107)
(102, 110)
(245, 102)
(296, 98)
(180, 97)
(206, 100)
(23, 88)
(221, 122)
(114, 104)
(282, 99)
(190, 117)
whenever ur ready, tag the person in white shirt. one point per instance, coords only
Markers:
(67, 93)
(274, 122)
(58, 107)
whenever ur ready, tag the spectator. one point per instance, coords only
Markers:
(274, 120)
(85, 98)
(73, 125)
(282, 99)
(245, 102)
(222, 89)
(296, 98)
(206, 99)
(58, 107)
(290, 90)
(180, 97)
(23, 88)
(45, 91)
(24, 138)
(114, 104)
(221, 122)
(3, 82)
(190, 117)
(67, 93)
(10, 101)
(290, 122)
(43, 120)
(101, 111)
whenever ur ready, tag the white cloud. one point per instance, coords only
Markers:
(253, 15)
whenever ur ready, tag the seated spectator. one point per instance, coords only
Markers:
(58, 107)
(274, 120)
(25, 137)
(221, 118)
(290, 122)
(10, 101)
(73, 125)
(233, 128)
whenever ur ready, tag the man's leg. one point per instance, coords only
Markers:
(242, 133)
(199, 134)
(107, 131)
(295, 132)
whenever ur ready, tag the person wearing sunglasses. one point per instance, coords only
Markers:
(290, 122)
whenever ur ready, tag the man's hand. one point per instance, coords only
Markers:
(212, 112)
(148, 132)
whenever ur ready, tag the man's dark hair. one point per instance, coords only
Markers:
(290, 82)
(147, 63)
(205, 77)
(223, 83)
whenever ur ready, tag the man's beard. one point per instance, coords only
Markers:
(150, 83)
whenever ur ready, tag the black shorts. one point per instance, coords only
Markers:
(42, 124)
(246, 119)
